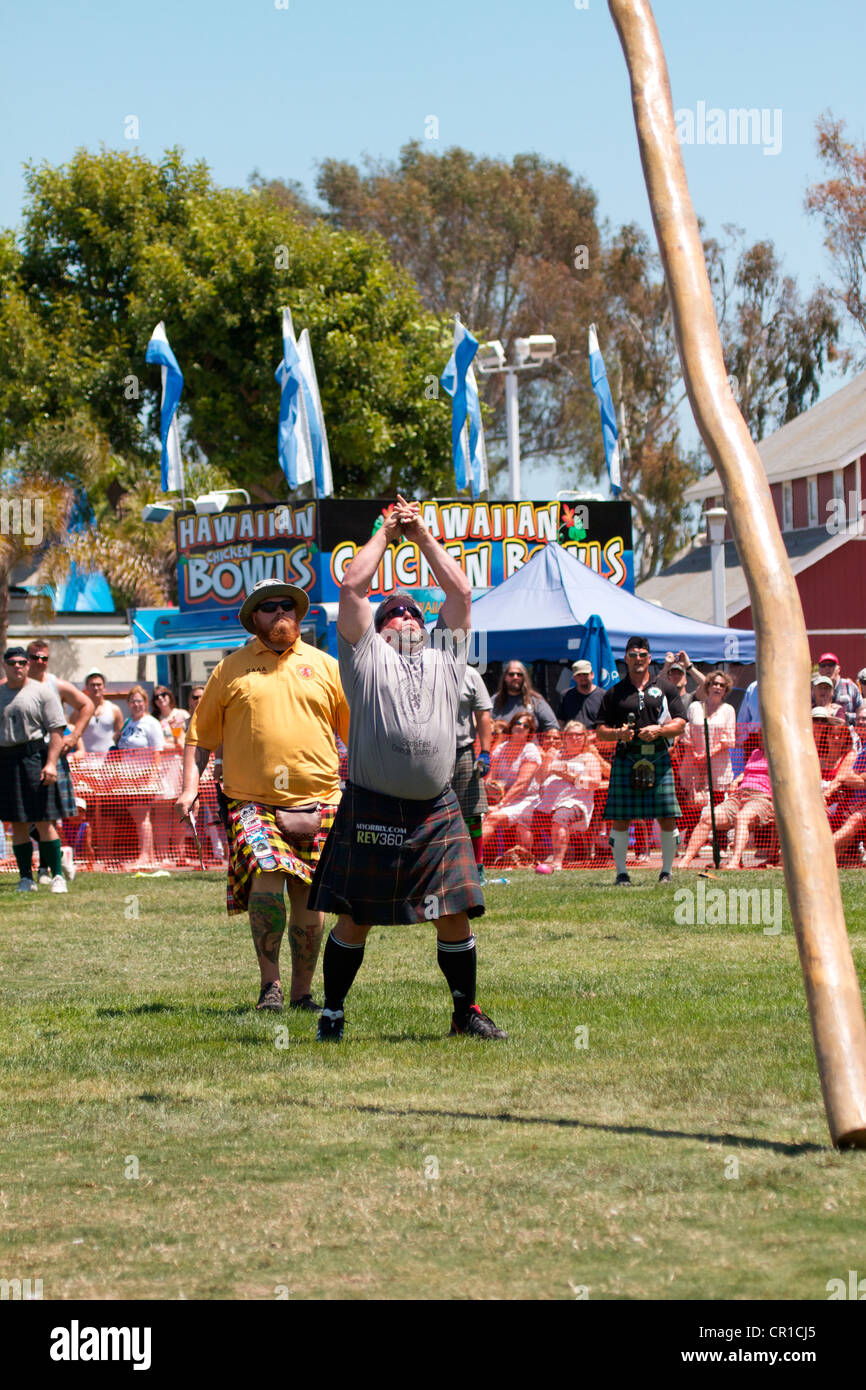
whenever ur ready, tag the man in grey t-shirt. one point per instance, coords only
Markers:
(398, 850)
(30, 713)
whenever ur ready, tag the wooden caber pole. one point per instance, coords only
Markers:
(832, 989)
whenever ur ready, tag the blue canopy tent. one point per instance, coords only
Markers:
(541, 612)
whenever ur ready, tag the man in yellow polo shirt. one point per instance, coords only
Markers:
(274, 705)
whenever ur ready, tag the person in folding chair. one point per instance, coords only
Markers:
(399, 851)
(641, 714)
(274, 705)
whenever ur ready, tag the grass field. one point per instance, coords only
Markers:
(681, 1153)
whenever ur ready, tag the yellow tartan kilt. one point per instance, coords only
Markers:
(296, 861)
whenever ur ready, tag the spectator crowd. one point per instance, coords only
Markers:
(91, 776)
(90, 779)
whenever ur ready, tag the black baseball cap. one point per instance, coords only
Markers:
(637, 642)
(397, 599)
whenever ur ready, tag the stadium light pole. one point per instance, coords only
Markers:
(530, 353)
(207, 505)
(717, 519)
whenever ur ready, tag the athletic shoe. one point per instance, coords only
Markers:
(665, 877)
(622, 879)
(26, 885)
(44, 877)
(482, 877)
(475, 1025)
(271, 997)
(307, 1003)
(58, 884)
(69, 865)
(331, 1025)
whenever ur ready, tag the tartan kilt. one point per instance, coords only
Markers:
(388, 860)
(65, 790)
(468, 785)
(296, 861)
(23, 797)
(624, 802)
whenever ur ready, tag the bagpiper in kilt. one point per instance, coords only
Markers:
(641, 713)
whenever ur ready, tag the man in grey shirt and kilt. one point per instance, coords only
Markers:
(31, 736)
(398, 850)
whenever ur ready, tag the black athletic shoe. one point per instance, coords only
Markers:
(665, 877)
(475, 1025)
(330, 1027)
(271, 997)
(307, 1003)
(621, 879)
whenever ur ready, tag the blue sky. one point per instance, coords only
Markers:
(246, 85)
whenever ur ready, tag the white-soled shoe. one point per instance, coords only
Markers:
(58, 884)
(69, 866)
(26, 885)
(44, 877)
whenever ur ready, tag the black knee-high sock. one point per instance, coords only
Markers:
(24, 858)
(457, 961)
(340, 965)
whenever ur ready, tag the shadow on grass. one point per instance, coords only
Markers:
(743, 1141)
(138, 1010)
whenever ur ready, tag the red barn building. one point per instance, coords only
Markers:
(816, 468)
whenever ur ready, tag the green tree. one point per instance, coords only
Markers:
(513, 247)
(840, 202)
(775, 345)
(112, 243)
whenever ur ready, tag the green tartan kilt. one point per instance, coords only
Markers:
(626, 803)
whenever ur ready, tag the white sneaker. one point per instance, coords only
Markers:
(44, 876)
(69, 867)
(26, 885)
(58, 884)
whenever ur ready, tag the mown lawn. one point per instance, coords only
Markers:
(682, 1152)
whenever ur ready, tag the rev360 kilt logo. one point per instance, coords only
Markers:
(369, 834)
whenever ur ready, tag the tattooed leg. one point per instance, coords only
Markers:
(268, 922)
(305, 938)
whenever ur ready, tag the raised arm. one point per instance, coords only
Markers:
(354, 614)
(456, 611)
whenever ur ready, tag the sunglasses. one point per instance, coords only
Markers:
(400, 609)
(523, 726)
(637, 651)
(42, 659)
(272, 605)
(17, 662)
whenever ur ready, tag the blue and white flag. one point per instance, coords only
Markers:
(467, 431)
(609, 431)
(595, 648)
(159, 351)
(302, 441)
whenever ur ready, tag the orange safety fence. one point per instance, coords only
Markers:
(558, 828)
(126, 819)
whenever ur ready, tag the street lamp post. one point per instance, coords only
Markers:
(530, 353)
(716, 522)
